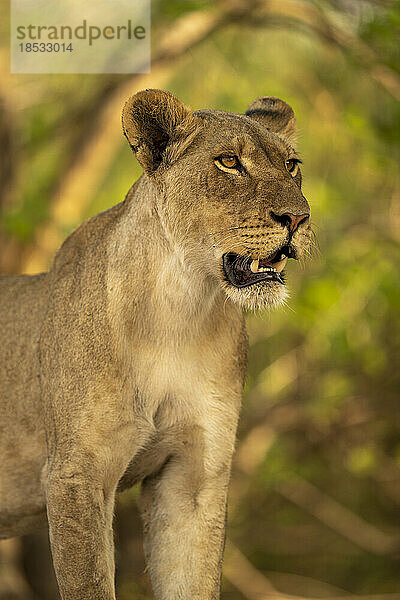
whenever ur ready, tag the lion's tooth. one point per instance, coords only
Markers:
(279, 266)
(254, 266)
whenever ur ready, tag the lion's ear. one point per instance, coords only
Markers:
(274, 114)
(151, 120)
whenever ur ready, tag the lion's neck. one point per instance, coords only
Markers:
(155, 288)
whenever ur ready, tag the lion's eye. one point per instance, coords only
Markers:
(292, 165)
(229, 161)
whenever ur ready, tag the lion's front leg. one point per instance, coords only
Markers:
(87, 458)
(80, 513)
(184, 513)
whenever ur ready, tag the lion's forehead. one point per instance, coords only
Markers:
(222, 130)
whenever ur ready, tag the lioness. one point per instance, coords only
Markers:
(125, 362)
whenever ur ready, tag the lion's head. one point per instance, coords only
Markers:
(229, 188)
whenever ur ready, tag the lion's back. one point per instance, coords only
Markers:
(23, 301)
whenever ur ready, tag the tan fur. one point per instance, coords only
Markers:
(125, 362)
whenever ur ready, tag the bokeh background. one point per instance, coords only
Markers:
(315, 494)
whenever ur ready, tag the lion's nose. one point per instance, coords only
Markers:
(290, 220)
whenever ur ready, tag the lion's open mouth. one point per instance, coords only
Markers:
(242, 271)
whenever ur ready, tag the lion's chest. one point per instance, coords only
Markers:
(173, 384)
(176, 396)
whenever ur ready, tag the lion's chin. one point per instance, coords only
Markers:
(268, 294)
